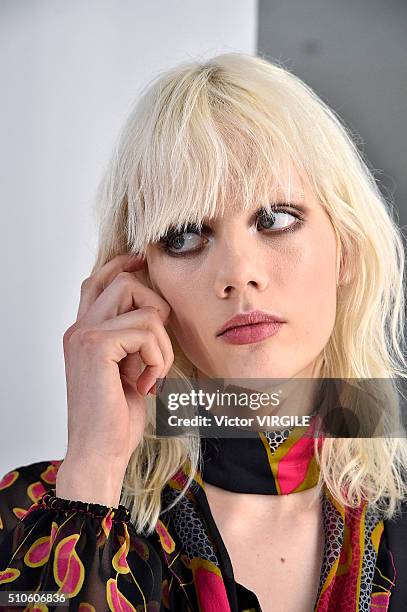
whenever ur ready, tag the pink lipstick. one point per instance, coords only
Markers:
(246, 328)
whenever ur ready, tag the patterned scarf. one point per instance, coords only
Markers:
(356, 564)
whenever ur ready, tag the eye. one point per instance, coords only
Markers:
(174, 242)
(183, 243)
(278, 220)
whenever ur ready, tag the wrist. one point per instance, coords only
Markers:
(89, 481)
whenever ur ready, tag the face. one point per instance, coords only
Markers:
(245, 260)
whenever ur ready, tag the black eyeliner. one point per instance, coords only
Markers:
(164, 242)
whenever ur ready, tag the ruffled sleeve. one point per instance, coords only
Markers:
(87, 551)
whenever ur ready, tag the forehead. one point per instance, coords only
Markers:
(288, 186)
(281, 183)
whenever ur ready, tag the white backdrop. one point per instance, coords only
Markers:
(69, 73)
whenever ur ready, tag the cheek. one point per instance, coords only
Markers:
(312, 300)
(182, 300)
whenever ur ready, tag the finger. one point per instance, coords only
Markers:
(95, 284)
(124, 294)
(145, 318)
(129, 341)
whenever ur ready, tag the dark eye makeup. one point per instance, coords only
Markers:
(176, 239)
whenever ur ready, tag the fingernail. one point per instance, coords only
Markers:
(161, 384)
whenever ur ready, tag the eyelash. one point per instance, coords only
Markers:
(164, 242)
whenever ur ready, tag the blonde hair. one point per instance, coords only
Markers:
(206, 133)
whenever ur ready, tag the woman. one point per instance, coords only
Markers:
(233, 190)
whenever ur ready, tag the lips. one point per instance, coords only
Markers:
(249, 318)
(249, 334)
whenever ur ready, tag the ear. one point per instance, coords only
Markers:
(341, 267)
(338, 265)
(344, 270)
(341, 279)
(142, 274)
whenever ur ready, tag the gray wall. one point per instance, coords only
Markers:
(354, 55)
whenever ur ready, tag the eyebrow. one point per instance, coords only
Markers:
(293, 203)
(293, 195)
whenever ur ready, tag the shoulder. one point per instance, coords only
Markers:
(395, 530)
(22, 486)
(394, 541)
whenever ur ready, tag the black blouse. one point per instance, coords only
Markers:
(93, 553)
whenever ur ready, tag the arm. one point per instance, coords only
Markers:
(89, 551)
(86, 481)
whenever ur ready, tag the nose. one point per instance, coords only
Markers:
(240, 268)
